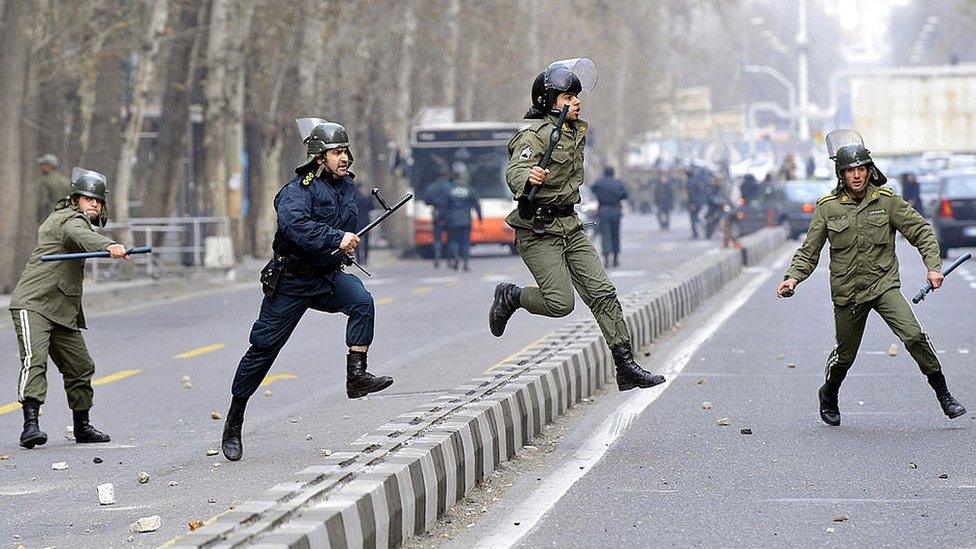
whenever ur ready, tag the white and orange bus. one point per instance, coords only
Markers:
(482, 147)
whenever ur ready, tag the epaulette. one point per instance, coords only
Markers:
(307, 180)
(827, 198)
(885, 191)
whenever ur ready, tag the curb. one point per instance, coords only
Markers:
(399, 479)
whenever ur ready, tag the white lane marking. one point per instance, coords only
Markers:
(438, 280)
(626, 274)
(972, 284)
(496, 278)
(845, 500)
(378, 281)
(532, 509)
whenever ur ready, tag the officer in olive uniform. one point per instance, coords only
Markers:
(46, 308)
(52, 186)
(859, 219)
(610, 192)
(316, 216)
(562, 257)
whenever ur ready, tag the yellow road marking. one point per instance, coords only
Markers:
(516, 353)
(201, 350)
(422, 290)
(385, 300)
(104, 380)
(7, 408)
(275, 377)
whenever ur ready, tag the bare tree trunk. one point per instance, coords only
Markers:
(15, 44)
(240, 25)
(171, 155)
(215, 113)
(140, 96)
(408, 49)
(454, 47)
(30, 136)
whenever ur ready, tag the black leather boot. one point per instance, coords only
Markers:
(829, 411)
(84, 432)
(506, 302)
(949, 405)
(32, 435)
(359, 382)
(230, 442)
(629, 374)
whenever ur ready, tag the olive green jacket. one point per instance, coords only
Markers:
(863, 264)
(526, 149)
(50, 189)
(53, 289)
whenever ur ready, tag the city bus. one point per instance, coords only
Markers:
(479, 150)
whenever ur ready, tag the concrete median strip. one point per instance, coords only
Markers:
(396, 481)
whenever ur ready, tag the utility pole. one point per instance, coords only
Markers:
(802, 45)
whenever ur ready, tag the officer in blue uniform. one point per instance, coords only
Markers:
(461, 201)
(437, 196)
(610, 192)
(317, 213)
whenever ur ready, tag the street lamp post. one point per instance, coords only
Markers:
(790, 88)
(802, 45)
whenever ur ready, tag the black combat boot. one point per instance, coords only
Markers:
(231, 443)
(507, 296)
(32, 435)
(84, 432)
(949, 405)
(359, 382)
(829, 411)
(629, 374)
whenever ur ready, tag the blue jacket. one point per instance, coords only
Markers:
(437, 195)
(609, 192)
(313, 215)
(461, 201)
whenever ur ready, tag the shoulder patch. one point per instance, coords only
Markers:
(885, 191)
(525, 153)
(307, 180)
(827, 198)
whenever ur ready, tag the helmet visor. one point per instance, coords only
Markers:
(77, 173)
(838, 139)
(306, 125)
(559, 75)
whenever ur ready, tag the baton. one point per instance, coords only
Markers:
(387, 213)
(945, 272)
(88, 255)
(554, 138)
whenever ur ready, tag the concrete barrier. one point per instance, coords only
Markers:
(399, 479)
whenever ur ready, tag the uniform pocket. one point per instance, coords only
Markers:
(879, 229)
(70, 288)
(560, 157)
(839, 233)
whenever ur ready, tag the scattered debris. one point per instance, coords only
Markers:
(69, 432)
(185, 380)
(293, 420)
(701, 381)
(129, 539)
(106, 494)
(215, 465)
(840, 518)
(912, 465)
(308, 437)
(143, 477)
(791, 365)
(212, 452)
(194, 524)
(146, 524)
(59, 466)
(97, 459)
(706, 405)
(860, 403)
(211, 500)
(831, 530)
(173, 484)
(268, 393)
(745, 431)
(326, 452)
(893, 350)
(724, 422)
(215, 415)
(781, 356)
(4, 457)
(964, 351)
(943, 476)
(345, 417)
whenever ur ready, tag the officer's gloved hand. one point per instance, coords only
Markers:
(349, 242)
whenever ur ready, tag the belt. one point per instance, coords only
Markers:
(294, 267)
(548, 212)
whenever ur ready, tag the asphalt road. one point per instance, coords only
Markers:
(657, 470)
(431, 336)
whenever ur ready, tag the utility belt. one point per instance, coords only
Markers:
(282, 265)
(542, 214)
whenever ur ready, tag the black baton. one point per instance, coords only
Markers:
(89, 255)
(945, 272)
(389, 211)
(554, 138)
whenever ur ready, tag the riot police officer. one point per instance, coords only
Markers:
(548, 234)
(461, 201)
(46, 308)
(610, 192)
(316, 216)
(437, 196)
(859, 219)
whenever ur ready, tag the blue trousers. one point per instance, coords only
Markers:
(441, 237)
(279, 316)
(459, 242)
(610, 232)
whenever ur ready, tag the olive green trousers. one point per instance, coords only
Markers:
(561, 263)
(39, 338)
(849, 322)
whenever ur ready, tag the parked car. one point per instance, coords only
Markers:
(954, 220)
(798, 200)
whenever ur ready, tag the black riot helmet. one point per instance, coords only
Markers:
(320, 135)
(93, 185)
(566, 76)
(846, 148)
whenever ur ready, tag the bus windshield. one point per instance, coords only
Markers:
(484, 166)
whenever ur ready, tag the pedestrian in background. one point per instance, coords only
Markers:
(610, 192)
(911, 192)
(52, 186)
(364, 203)
(461, 201)
(437, 196)
(664, 199)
